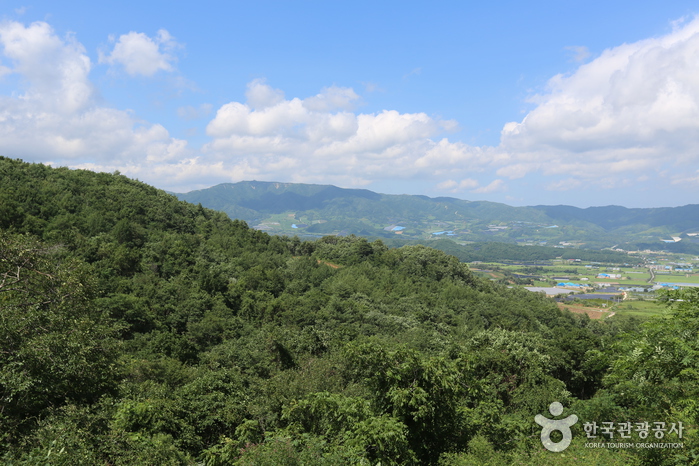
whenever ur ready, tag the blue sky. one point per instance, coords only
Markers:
(526, 103)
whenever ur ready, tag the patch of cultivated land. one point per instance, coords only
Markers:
(486, 273)
(677, 278)
(593, 313)
(627, 308)
(639, 304)
(636, 304)
(640, 308)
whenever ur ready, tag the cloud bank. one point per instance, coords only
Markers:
(632, 110)
(320, 139)
(56, 117)
(626, 118)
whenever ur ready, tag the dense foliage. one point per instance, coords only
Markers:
(138, 329)
(505, 252)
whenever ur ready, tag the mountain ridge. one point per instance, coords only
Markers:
(328, 209)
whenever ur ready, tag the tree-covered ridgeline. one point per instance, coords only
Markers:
(505, 252)
(138, 329)
(325, 210)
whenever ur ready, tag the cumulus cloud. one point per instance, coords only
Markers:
(332, 98)
(142, 55)
(56, 69)
(320, 139)
(631, 111)
(634, 108)
(57, 118)
(260, 95)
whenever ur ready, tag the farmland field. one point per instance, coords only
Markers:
(549, 273)
(592, 312)
(677, 278)
(640, 308)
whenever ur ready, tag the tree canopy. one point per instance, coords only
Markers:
(138, 329)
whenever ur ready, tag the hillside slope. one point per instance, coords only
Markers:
(139, 329)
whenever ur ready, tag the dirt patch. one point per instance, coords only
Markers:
(591, 312)
(329, 264)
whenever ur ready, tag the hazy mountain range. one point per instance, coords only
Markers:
(309, 209)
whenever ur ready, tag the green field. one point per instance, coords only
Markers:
(641, 305)
(640, 308)
(677, 277)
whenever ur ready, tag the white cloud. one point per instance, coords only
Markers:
(261, 95)
(57, 119)
(142, 55)
(56, 69)
(634, 108)
(332, 98)
(447, 154)
(319, 139)
(455, 187)
(630, 112)
(493, 187)
(516, 170)
(686, 180)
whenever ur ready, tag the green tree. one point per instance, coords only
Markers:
(426, 394)
(55, 346)
(655, 374)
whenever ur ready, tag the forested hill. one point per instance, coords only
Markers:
(138, 329)
(680, 219)
(326, 209)
(294, 208)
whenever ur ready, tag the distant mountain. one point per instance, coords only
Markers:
(273, 198)
(679, 219)
(309, 209)
(249, 199)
